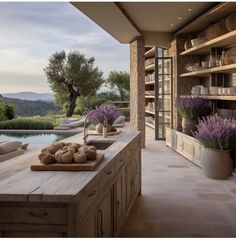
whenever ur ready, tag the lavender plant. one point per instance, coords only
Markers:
(97, 115)
(216, 132)
(192, 107)
(111, 113)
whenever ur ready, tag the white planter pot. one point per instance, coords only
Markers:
(188, 126)
(216, 164)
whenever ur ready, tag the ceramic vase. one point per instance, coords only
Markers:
(216, 164)
(188, 126)
(99, 128)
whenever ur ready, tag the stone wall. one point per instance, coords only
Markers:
(181, 85)
(137, 87)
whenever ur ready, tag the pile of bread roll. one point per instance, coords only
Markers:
(67, 153)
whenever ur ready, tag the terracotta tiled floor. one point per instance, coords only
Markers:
(178, 201)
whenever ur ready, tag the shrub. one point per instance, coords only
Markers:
(26, 124)
(9, 111)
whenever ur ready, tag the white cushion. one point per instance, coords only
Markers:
(120, 120)
(7, 147)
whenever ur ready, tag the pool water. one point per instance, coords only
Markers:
(35, 138)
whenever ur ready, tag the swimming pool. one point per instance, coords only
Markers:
(35, 138)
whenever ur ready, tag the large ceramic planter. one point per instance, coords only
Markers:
(188, 126)
(216, 164)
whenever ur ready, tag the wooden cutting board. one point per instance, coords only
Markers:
(87, 166)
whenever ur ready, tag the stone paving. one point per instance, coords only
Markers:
(178, 200)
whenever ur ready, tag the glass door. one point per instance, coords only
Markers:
(163, 100)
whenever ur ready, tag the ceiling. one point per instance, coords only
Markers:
(155, 21)
(159, 16)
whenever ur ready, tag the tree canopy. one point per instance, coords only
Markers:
(120, 80)
(72, 75)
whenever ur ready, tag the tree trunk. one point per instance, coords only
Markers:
(71, 106)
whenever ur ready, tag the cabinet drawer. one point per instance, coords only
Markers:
(32, 215)
(106, 176)
(88, 195)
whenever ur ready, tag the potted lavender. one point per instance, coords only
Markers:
(216, 135)
(97, 117)
(191, 109)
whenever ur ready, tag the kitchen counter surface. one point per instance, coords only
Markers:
(19, 184)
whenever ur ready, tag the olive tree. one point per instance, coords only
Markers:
(120, 80)
(72, 75)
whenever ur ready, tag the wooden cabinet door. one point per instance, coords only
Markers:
(136, 168)
(120, 201)
(105, 221)
(90, 227)
(129, 182)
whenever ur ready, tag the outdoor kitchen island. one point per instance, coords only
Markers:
(73, 204)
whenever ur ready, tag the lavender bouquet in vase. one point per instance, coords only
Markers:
(103, 114)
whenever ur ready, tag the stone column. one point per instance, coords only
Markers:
(137, 87)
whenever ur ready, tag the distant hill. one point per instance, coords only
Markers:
(32, 96)
(31, 108)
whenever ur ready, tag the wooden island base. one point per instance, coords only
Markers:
(71, 204)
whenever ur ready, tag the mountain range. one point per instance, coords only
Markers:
(31, 96)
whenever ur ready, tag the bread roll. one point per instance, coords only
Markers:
(46, 158)
(80, 157)
(64, 156)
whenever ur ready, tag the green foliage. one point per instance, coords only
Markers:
(31, 108)
(2, 111)
(71, 76)
(121, 80)
(25, 124)
(9, 112)
(95, 101)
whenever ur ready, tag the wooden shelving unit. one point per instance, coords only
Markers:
(150, 112)
(225, 40)
(150, 67)
(216, 97)
(150, 83)
(151, 125)
(231, 68)
(149, 96)
(150, 53)
(216, 76)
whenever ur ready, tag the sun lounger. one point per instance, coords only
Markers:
(119, 122)
(69, 125)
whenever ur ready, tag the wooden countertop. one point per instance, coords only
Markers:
(19, 183)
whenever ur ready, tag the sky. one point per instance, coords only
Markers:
(31, 32)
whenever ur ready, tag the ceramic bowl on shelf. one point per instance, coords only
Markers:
(213, 90)
(204, 91)
(220, 90)
(197, 41)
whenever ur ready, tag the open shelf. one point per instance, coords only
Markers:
(150, 53)
(231, 68)
(225, 40)
(150, 112)
(214, 97)
(150, 125)
(149, 96)
(150, 67)
(149, 82)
